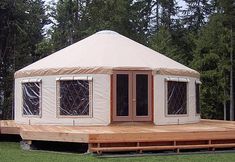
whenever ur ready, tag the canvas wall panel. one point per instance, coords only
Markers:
(100, 111)
(160, 113)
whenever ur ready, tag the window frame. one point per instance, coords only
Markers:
(90, 81)
(197, 82)
(176, 79)
(40, 97)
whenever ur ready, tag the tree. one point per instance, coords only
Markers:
(170, 36)
(63, 28)
(169, 10)
(162, 42)
(111, 15)
(21, 29)
(211, 60)
(130, 18)
(11, 14)
(196, 14)
(227, 8)
(201, 36)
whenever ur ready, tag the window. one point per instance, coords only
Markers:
(31, 98)
(176, 97)
(197, 91)
(74, 97)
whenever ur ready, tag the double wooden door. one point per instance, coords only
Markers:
(132, 97)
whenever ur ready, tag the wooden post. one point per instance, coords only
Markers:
(89, 148)
(175, 145)
(178, 151)
(209, 143)
(231, 80)
(140, 151)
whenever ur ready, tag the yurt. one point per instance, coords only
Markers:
(103, 79)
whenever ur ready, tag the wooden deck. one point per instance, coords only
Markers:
(207, 134)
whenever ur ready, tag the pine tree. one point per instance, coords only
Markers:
(169, 10)
(21, 28)
(171, 37)
(110, 15)
(196, 14)
(11, 22)
(227, 8)
(162, 42)
(140, 20)
(130, 18)
(211, 60)
(62, 30)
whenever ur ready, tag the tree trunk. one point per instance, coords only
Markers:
(71, 23)
(231, 80)
(224, 103)
(157, 14)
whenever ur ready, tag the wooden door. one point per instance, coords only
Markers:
(132, 96)
(142, 96)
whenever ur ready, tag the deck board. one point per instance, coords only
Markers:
(205, 130)
(9, 127)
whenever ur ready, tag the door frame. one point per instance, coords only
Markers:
(114, 87)
(142, 118)
(132, 97)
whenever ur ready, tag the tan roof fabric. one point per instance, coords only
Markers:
(101, 53)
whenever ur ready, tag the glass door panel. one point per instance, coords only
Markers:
(122, 98)
(141, 94)
(122, 91)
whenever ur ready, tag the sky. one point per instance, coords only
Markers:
(181, 3)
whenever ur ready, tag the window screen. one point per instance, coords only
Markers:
(74, 97)
(176, 97)
(197, 88)
(31, 98)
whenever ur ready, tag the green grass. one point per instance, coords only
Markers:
(11, 152)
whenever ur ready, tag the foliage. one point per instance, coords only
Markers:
(22, 23)
(211, 59)
(196, 14)
(198, 36)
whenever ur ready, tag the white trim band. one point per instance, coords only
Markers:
(177, 79)
(75, 78)
(33, 80)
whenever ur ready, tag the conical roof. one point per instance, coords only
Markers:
(102, 53)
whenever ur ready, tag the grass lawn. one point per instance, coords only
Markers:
(11, 152)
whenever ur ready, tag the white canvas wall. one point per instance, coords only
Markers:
(160, 114)
(100, 108)
(101, 103)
